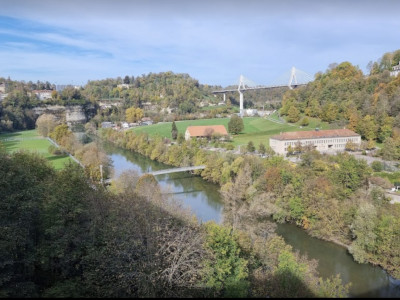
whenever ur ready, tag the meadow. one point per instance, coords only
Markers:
(30, 140)
(256, 129)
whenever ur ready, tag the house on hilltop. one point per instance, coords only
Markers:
(2, 87)
(396, 70)
(205, 131)
(43, 94)
(331, 140)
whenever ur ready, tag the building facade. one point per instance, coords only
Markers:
(332, 140)
(396, 70)
(42, 94)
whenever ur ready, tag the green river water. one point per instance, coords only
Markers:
(204, 200)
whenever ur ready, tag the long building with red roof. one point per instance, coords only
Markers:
(331, 140)
(205, 131)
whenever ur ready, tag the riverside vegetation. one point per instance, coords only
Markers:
(63, 235)
(334, 198)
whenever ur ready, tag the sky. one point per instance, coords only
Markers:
(214, 41)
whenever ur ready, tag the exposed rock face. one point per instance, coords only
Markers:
(57, 110)
(72, 115)
(75, 114)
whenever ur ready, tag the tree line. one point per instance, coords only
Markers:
(344, 97)
(335, 198)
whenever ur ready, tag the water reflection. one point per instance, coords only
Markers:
(200, 196)
(367, 280)
(204, 200)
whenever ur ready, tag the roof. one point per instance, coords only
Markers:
(42, 91)
(206, 130)
(315, 134)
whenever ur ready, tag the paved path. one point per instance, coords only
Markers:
(395, 197)
(69, 154)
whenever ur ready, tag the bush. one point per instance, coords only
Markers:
(250, 147)
(54, 150)
(304, 121)
(377, 166)
(382, 182)
(230, 147)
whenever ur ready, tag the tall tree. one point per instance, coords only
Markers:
(45, 124)
(235, 125)
(174, 131)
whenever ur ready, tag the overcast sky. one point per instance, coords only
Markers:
(71, 42)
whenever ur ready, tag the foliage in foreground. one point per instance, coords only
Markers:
(63, 236)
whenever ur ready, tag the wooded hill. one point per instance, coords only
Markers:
(343, 96)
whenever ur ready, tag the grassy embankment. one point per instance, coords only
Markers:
(30, 140)
(256, 129)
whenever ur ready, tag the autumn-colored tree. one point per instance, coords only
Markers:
(293, 114)
(351, 146)
(147, 187)
(45, 124)
(368, 128)
(60, 132)
(133, 114)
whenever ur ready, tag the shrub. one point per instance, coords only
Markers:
(377, 166)
(305, 121)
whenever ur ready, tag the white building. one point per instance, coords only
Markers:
(251, 112)
(123, 85)
(396, 70)
(43, 94)
(332, 140)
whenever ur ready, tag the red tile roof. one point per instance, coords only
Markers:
(206, 130)
(315, 134)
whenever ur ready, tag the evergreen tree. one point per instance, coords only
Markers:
(127, 80)
(262, 149)
(250, 146)
(174, 131)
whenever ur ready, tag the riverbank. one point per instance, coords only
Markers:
(204, 200)
(222, 169)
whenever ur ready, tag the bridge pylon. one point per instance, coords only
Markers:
(240, 87)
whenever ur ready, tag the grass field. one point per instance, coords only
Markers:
(256, 129)
(31, 141)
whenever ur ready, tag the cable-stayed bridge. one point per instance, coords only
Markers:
(291, 79)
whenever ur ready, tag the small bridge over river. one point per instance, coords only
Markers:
(168, 171)
(175, 170)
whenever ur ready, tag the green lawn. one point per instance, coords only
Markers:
(30, 140)
(256, 129)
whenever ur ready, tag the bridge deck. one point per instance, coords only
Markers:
(256, 88)
(174, 170)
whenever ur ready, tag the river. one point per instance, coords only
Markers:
(204, 200)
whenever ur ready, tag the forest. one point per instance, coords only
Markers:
(63, 235)
(344, 97)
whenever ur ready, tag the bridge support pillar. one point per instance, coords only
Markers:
(224, 97)
(241, 103)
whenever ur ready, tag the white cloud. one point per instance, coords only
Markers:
(213, 41)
